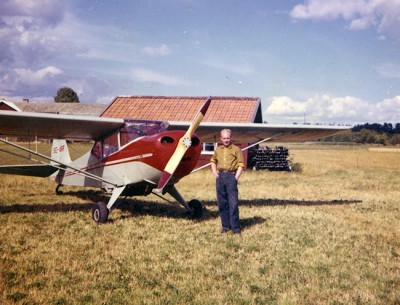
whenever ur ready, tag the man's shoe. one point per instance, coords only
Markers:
(224, 231)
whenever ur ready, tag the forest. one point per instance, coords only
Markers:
(387, 134)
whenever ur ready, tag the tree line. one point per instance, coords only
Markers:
(388, 128)
(375, 133)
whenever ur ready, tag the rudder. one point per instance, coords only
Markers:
(60, 152)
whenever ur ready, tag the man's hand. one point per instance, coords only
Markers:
(214, 170)
(238, 173)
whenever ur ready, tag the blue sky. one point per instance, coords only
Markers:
(328, 61)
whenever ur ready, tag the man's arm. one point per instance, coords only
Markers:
(214, 169)
(239, 171)
(240, 163)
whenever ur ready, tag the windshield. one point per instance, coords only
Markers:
(132, 130)
(138, 128)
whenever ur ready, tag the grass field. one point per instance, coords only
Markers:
(327, 235)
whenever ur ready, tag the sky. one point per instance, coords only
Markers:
(314, 61)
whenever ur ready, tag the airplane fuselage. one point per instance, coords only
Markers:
(141, 160)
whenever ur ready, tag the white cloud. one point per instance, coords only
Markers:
(31, 33)
(327, 109)
(146, 75)
(32, 78)
(36, 99)
(35, 35)
(238, 66)
(285, 106)
(24, 30)
(389, 70)
(360, 14)
(34, 13)
(346, 107)
(162, 50)
(327, 10)
(388, 110)
(362, 23)
(91, 89)
(27, 81)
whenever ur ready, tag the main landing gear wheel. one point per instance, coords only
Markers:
(100, 212)
(197, 208)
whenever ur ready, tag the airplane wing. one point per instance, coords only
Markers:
(253, 132)
(36, 170)
(56, 126)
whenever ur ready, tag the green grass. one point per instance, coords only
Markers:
(327, 235)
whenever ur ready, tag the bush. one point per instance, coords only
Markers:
(296, 167)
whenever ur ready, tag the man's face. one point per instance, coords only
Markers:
(226, 138)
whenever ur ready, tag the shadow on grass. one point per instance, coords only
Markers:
(136, 207)
(278, 202)
(169, 210)
(246, 223)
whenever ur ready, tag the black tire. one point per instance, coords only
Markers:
(100, 212)
(197, 208)
(58, 191)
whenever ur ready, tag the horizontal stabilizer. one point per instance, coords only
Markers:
(36, 170)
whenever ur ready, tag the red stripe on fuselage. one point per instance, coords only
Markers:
(151, 151)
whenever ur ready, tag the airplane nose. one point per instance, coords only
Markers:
(166, 146)
(190, 158)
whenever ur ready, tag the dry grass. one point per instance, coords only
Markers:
(328, 235)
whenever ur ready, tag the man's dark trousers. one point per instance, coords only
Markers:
(228, 203)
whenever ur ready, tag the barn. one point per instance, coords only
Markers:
(184, 109)
(9, 106)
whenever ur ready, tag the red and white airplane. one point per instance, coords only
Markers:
(131, 157)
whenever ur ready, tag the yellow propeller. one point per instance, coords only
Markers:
(183, 145)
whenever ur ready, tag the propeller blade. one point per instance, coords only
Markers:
(183, 145)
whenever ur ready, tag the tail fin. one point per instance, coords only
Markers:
(60, 152)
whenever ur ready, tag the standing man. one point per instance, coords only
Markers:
(227, 165)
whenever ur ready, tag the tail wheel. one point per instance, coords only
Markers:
(197, 208)
(58, 191)
(100, 212)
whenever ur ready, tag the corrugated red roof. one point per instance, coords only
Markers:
(222, 109)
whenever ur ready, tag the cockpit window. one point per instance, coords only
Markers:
(134, 129)
(110, 145)
(106, 147)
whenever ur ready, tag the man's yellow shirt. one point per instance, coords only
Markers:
(228, 158)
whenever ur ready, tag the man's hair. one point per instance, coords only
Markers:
(226, 131)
